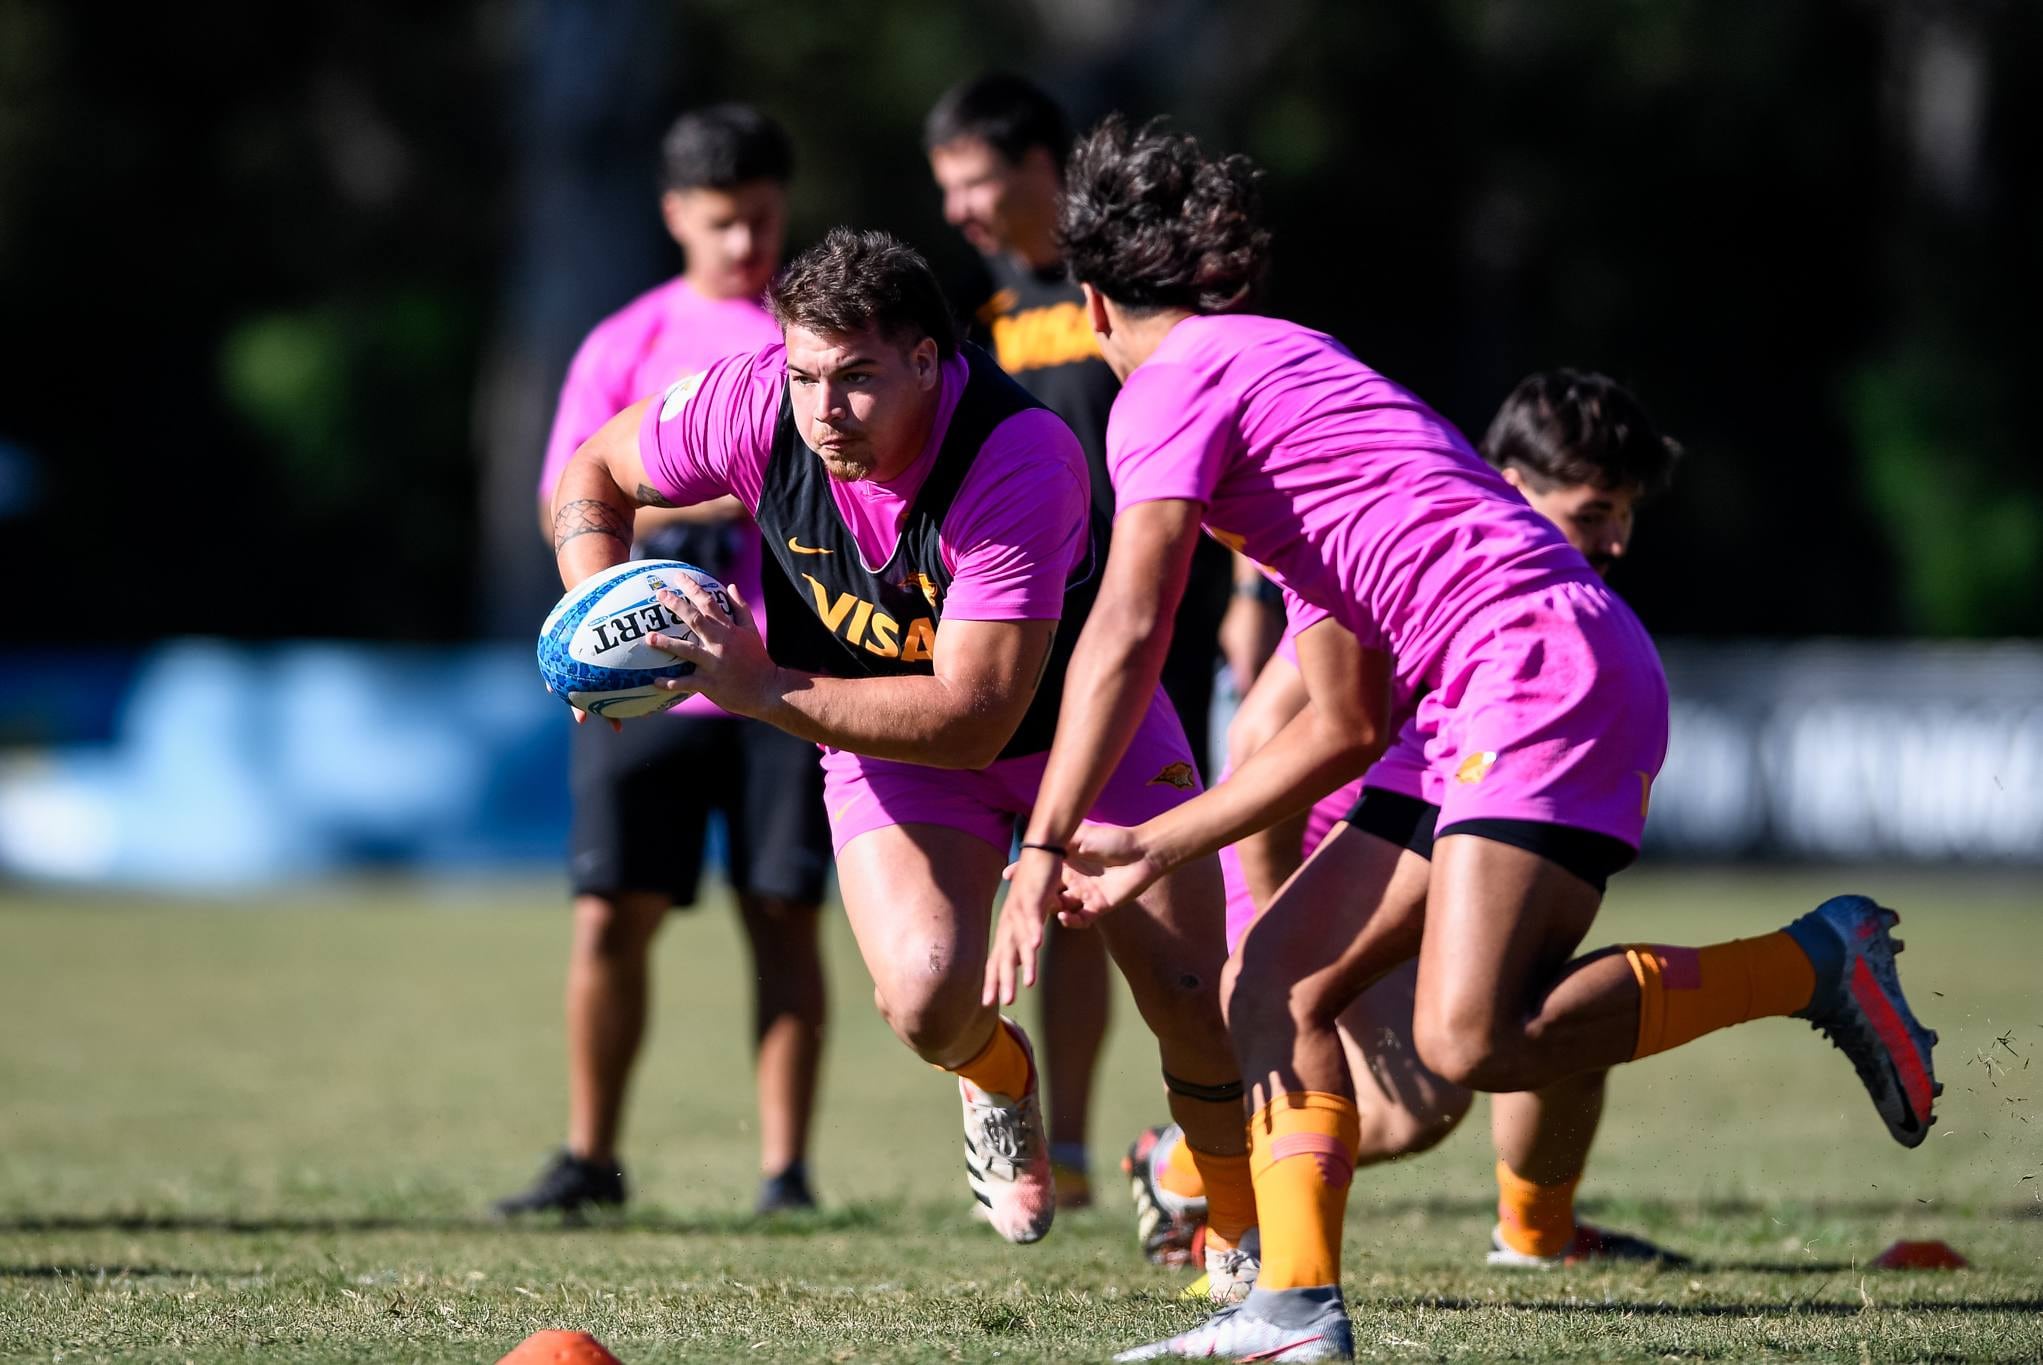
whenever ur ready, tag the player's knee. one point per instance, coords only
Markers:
(1471, 1056)
(1392, 1130)
(932, 1021)
(616, 928)
(783, 936)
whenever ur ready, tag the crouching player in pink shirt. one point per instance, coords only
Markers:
(931, 554)
(1540, 722)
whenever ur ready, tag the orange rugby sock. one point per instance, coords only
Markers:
(1302, 1149)
(1535, 1220)
(1230, 1194)
(1001, 1068)
(1180, 1173)
(1687, 992)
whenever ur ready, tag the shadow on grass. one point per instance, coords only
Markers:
(855, 1217)
(1794, 1308)
(110, 1272)
(1675, 1209)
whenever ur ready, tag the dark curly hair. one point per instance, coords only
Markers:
(853, 280)
(1152, 222)
(1566, 427)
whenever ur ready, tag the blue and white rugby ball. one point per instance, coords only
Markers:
(593, 651)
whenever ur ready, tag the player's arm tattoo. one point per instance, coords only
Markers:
(649, 496)
(587, 516)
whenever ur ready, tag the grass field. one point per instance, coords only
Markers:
(264, 1133)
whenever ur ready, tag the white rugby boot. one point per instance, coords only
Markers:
(1290, 1324)
(1007, 1156)
(1231, 1274)
(1165, 1223)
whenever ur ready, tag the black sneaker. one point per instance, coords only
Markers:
(785, 1193)
(567, 1185)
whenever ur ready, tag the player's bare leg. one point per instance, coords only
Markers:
(1542, 1137)
(1500, 1006)
(919, 900)
(1347, 917)
(1072, 1027)
(1402, 1106)
(1270, 856)
(608, 986)
(788, 1008)
(1170, 945)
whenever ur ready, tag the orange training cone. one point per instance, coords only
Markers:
(560, 1348)
(1919, 1256)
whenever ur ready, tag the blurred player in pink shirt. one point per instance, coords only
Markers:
(641, 808)
(1539, 720)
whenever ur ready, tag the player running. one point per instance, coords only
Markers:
(640, 823)
(996, 148)
(928, 524)
(1584, 453)
(1540, 722)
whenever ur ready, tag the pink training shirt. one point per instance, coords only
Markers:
(1357, 497)
(1010, 538)
(638, 351)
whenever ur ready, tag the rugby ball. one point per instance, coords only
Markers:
(593, 651)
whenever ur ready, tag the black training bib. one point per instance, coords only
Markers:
(828, 613)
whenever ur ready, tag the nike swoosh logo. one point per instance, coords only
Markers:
(793, 543)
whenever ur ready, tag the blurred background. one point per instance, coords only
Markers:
(290, 292)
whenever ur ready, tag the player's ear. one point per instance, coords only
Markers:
(673, 210)
(927, 362)
(1514, 476)
(1096, 311)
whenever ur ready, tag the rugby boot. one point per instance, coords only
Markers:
(1007, 1157)
(1231, 1274)
(1859, 1007)
(1289, 1324)
(1589, 1244)
(1165, 1223)
(786, 1192)
(569, 1186)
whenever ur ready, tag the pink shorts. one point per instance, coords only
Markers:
(1551, 707)
(863, 793)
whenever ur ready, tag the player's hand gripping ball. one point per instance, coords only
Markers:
(593, 651)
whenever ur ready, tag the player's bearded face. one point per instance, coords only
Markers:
(863, 402)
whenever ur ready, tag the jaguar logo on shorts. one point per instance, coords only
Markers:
(1179, 775)
(1475, 767)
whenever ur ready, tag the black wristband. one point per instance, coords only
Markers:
(1057, 849)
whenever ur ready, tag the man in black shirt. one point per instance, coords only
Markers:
(996, 147)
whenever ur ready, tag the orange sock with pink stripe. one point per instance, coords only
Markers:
(1687, 992)
(1302, 1149)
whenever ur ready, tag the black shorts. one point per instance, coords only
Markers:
(643, 797)
(1411, 823)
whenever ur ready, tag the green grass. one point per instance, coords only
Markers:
(263, 1133)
